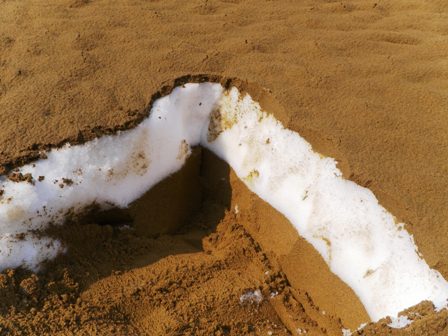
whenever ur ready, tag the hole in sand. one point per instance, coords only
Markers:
(357, 238)
(195, 205)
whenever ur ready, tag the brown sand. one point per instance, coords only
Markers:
(363, 81)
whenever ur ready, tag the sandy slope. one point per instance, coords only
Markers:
(363, 81)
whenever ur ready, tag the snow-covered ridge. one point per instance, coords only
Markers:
(357, 237)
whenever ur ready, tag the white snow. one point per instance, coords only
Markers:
(399, 322)
(346, 332)
(252, 297)
(356, 236)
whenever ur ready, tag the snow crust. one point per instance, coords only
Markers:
(359, 239)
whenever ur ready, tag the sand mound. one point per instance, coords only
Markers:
(227, 271)
(360, 80)
(201, 280)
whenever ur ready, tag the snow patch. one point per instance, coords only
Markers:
(399, 322)
(252, 297)
(346, 332)
(356, 236)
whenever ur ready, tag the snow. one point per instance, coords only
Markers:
(359, 239)
(346, 332)
(252, 297)
(399, 322)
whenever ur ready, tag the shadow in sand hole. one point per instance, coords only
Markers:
(171, 218)
(200, 191)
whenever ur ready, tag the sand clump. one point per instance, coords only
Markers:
(362, 81)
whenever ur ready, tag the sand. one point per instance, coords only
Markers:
(362, 81)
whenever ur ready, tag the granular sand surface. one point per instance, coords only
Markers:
(363, 81)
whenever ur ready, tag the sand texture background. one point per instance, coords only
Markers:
(363, 81)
